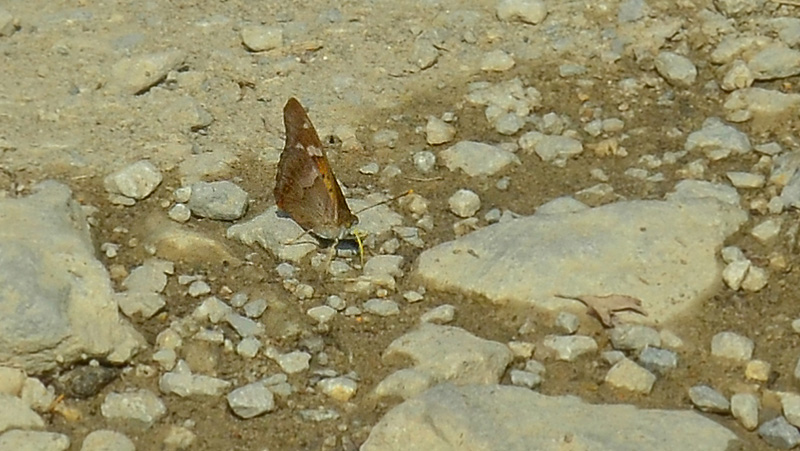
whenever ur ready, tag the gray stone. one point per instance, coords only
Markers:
(779, 433)
(248, 347)
(221, 200)
(142, 405)
(105, 440)
(475, 158)
(338, 388)
(405, 383)
(56, 298)
(251, 400)
(254, 308)
(530, 259)
(183, 383)
(790, 403)
(382, 307)
(730, 345)
(198, 288)
(633, 337)
(528, 11)
(630, 376)
(15, 414)
(569, 347)
(442, 314)
(497, 61)
(136, 181)
(480, 417)
(525, 379)
(321, 313)
(244, 326)
(676, 69)
(777, 61)
(659, 361)
(137, 74)
(437, 132)
(550, 147)
(424, 161)
(717, 140)
(760, 104)
(744, 407)
(632, 11)
(451, 354)
(18, 440)
(260, 38)
(464, 203)
(707, 399)
(293, 362)
(568, 322)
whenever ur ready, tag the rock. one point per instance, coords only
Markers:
(251, 400)
(776, 61)
(746, 179)
(442, 314)
(630, 376)
(744, 407)
(293, 362)
(658, 361)
(137, 74)
(404, 383)
(55, 303)
(183, 383)
(338, 388)
(529, 259)
(550, 147)
(464, 203)
(527, 11)
(8, 24)
(497, 61)
(755, 280)
(707, 399)
(734, 273)
(15, 414)
(18, 440)
(779, 433)
(739, 76)
(11, 380)
(448, 418)
(766, 106)
(86, 381)
(244, 326)
(567, 322)
(382, 307)
(676, 69)
(221, 200)
(766, 231)
(729, 345)
(525, 379)
(136, 181)
(321, 314)
(569, 347)
(142, 405)
(105, 440)
(186, 114)
(476, 158)
(437, 132)
(424, 161)
(632, 11)
(423, 54)
(260, 38)
(451, 354)
(717, 140)
(732, 8)
(634, 337)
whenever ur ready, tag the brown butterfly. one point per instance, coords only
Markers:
(305, 187)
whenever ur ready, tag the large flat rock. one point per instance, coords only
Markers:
(662, 252)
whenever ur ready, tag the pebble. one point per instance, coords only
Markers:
(569, 347)
(260, 38)
(179, 438)
(632, 337)
(221, 200)
(658, 361)
(254, 308)
(730, 345)
(182, 194)
(385, 138)
(321, 314)
(248, 347)
(36, 395)
(527, 11)
(738, 76)
(244, 326)
(497, 61)
(676, 69)
(709, 400)
(775, 61)
(670, 340)
(293, 362)
(412, 297)
(137, 74)
(8, 24)
(550, 147)
(382, 307)
(522, 349)
(182, 382)
(717, 140)
(508, 124)
(212, 310)
(766, 231)
(105, 440)
(423, 54)
(734, 273)
(790, 404)
(567, 322)
(19, 440)
(338, 388)
(437, 132)
(165, 358)
(744, 407)
(335, 302)
(179, 213)
(525, 379)
(11, 380)
(14, 413)
(779, 433)
(135, 181)
(746, 179)
(371, 168)
(630, 376)
(442, 314)
(142, 405)
(464, 203)
(475, 158)
(318, 415)
(424, 161)
(251, 400)
(758, 370)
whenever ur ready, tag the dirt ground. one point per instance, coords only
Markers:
(57, 121)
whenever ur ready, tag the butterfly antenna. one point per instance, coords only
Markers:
(411, 191)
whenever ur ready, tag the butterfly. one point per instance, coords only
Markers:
(306, 188)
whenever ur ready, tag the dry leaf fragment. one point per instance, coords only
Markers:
(606, 306)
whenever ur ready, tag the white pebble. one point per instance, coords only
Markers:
(438, 132)
(464, 203)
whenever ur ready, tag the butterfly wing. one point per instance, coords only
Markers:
(306, 187)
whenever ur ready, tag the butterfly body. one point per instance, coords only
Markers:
(306, 188)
